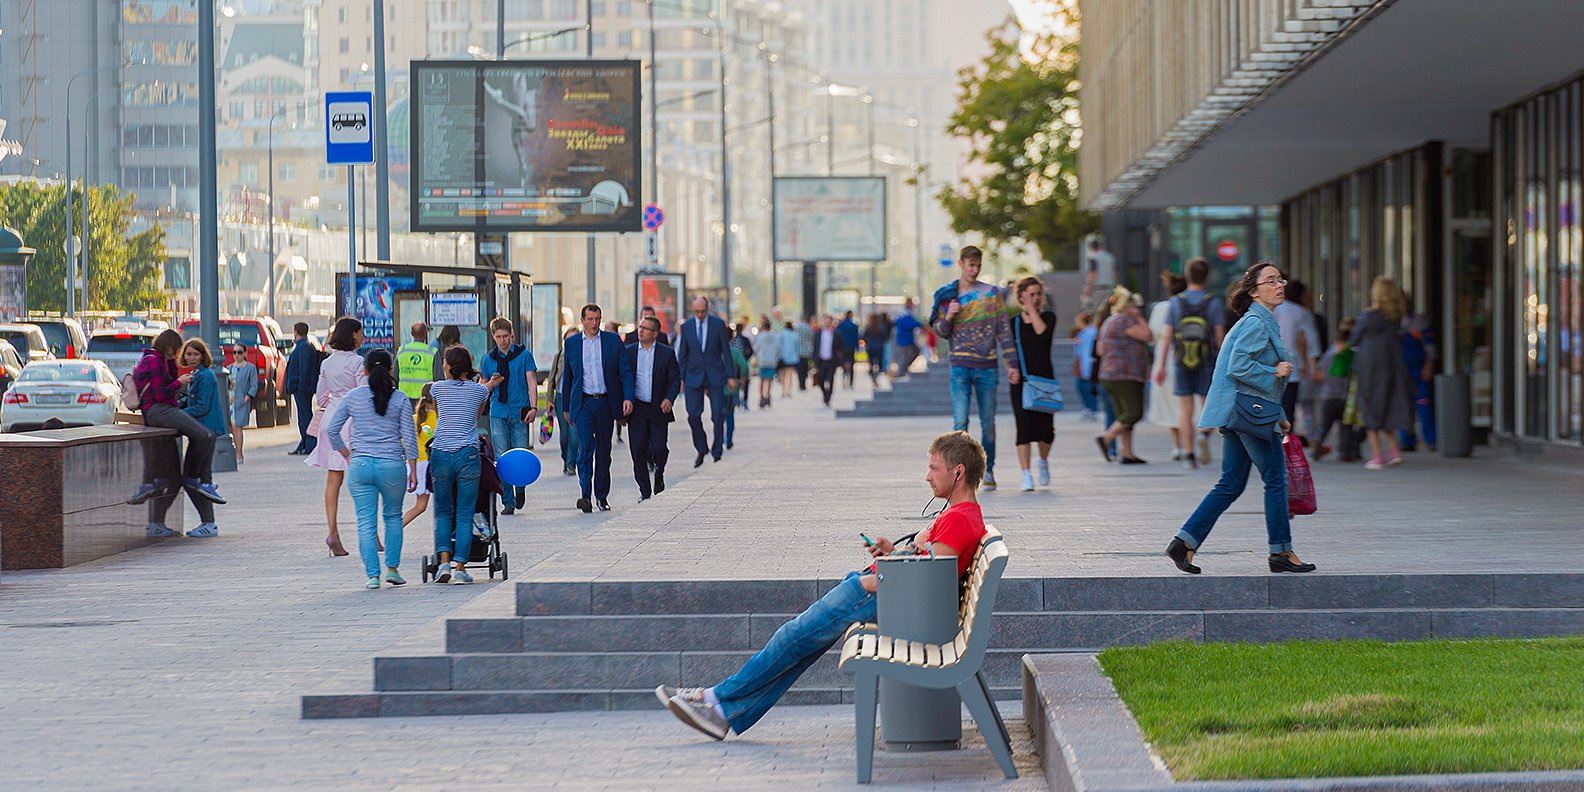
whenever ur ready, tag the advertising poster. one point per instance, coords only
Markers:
(525, 146)
(13, 293)
(546, 321)
(826, 218)
(376, 306)
(664, 292)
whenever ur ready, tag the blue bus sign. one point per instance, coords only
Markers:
(349, 128)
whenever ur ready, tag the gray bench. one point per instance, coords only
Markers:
(868, 655)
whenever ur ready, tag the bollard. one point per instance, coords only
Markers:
(1454, 415)
(917, 600)
(224, 454)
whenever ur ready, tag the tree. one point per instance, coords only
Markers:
(122, 273)
(1019, 110)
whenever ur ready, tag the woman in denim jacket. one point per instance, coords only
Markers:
(1252, 361)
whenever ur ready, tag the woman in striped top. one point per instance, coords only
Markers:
(382, 448)
(454, 460)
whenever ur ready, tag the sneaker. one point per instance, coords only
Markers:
(460, 576)
(394, 578)
(1176, 454)
(443, 574)
(158, 531)
(1028, 481)
(148, 490)
(207, 529)
(1375, 463)
(204, 488)
(693, 695)
(1044, 473)
(373, 583)
(700, 716)
(1396, 459)
(989, 480)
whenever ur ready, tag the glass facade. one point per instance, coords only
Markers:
(1231, 238)
(1538, 157)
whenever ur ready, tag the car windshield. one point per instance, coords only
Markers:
(58, 336)
(121, 342)
(72, 373)
(245, 334)
(18, 339)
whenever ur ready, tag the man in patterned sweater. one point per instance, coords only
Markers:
(972, 315)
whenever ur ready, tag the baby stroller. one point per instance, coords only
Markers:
(483, 550)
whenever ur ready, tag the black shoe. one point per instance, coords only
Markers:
(1105, 448)
(508, 511)
(659, 482)
(699, 462)
(728, 446)
(522, 495)
(1178, 551)
(584, 505)
(569, 470)
(717, 457)
(603, 506)
(1280, 562)
(1134, 461)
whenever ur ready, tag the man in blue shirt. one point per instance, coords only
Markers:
(302, 382)
(847, 329)
(907, 327)
(513, 405)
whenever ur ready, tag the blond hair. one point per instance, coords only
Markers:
(1387, 298)
(959, 448)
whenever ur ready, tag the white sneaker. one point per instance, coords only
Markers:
(443, 574)
(1044, 473)
(700, 716)
(693, 695)
(1176, 453)
(1028, 481)
(989, 480)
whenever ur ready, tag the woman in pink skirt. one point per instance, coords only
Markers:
(338, 374)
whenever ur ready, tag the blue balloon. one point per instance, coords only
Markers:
(518, 467)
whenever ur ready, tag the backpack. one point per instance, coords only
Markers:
(1191, 337)
(129, 392)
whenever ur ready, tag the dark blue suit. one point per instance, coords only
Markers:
(648, 425)
(594, 417)
(302, 381)
(705, 371)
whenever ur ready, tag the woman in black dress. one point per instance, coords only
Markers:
(1034, 329)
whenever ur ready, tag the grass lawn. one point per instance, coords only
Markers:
(1348, 708)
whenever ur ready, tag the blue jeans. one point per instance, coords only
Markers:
(378, 487)
(506, 434)
(594, 428)
(1238, 451)
(1091, 402)
(569, 446)
(748, 694)
(456, 484)
(964, 382)
(732, 401)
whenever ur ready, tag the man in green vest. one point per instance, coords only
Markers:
(415, 362)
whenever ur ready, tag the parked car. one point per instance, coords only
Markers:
(120, 349)
(29, 341)
(258, 335)
(10, 365)
(65, 336)
(76, 392)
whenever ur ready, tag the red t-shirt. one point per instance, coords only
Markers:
(960, 526)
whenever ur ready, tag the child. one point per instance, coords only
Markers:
(1082, 367)
(424, 417)
(1336, 368)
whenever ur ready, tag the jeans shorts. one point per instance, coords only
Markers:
(1193, 382)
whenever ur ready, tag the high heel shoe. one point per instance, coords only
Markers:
(1178, 552)
(1288, 562)
(334, 545)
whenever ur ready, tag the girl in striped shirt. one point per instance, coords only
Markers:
(454, 460)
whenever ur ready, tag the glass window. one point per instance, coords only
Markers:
(66, 372)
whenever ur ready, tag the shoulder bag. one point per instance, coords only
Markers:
(1254, 416)
(1040, 394)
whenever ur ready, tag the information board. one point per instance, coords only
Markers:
(525, 146)
(376, 306)
(830, 218)
(454, 308)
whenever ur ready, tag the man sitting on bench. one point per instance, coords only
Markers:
(956, 466)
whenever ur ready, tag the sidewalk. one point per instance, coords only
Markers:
(181, 665)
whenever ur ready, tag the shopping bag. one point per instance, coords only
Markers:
(1300, 485)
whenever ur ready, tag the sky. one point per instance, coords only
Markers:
(1032, 14)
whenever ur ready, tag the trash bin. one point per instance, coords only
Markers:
(916, 599)
(1454, 415)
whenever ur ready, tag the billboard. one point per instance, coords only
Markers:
(545, 315)
(503, 146)
(376, 306)
(830, 218)
(664, 292)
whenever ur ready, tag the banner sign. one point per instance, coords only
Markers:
(376, 306)
(664, 292)
(830, 218)
(547, 145)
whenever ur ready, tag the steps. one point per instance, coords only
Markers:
(595, 646)
(929, 392)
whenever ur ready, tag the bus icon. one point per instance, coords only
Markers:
(342, 121)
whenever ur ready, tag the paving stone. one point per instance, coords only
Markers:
(550, 598)
(703, 596)
(635, 633)
(1507, 622)
(412, 673)
(567, 671)
(1276, 626)
(1074, 631)
(484, 635)
(1381, 591)
(1550, 590)
(1182, 592)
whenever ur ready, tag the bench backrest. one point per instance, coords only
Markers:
(979, 595)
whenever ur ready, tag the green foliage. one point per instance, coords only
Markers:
(123, 273)
(1019, 109)
(1351, 708)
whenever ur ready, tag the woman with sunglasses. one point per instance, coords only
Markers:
(1253, 368)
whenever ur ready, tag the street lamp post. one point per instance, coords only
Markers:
(271, 166)
(382, 219)
(71, 247)
(208, 200)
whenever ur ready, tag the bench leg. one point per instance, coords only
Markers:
(984, 713)
(1000, 724)
(865, 697)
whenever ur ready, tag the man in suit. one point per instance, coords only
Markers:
(656, 382)
(596, 391)
(302, 381)
(707, 369)
(829, 351)
(648, 312)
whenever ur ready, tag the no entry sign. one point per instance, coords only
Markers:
(652, 217)
(1227, 250)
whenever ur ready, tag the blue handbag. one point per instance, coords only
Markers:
(1040, 394)
(1254, 416)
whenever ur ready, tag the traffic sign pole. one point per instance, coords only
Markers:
(351, 305)
(349, 141)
